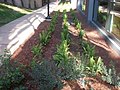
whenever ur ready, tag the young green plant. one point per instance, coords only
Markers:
(62, 54)
(37, 50)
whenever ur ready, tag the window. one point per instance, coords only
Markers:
(82, 5)
(116, 19)
(102, 12)
(106, 14)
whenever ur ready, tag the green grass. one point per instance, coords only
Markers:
(9, 13)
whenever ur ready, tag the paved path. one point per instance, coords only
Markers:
(15, 33)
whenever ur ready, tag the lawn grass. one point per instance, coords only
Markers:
(9, 13)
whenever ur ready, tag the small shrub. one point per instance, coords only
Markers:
(72, 69)
(5, 58)
(10, 78)
(110, 76)
(69, 70)
(44, 74)
(9, 74)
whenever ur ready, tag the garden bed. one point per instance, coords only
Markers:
(26, 54)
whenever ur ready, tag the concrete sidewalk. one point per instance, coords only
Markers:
(15, 33)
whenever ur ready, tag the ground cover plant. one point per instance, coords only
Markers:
(9, 74)
(64, 66)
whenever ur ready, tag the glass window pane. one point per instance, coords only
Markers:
(83, 5)
(102, 12)
(116, 26)
(116, 20)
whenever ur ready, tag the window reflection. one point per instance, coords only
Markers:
(108, 15)
(116, 19)
(83, 5)
(102, 12)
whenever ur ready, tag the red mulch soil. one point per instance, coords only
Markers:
(24, 54)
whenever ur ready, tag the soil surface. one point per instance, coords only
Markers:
(102, 49)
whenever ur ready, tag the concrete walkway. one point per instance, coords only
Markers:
(15, 33)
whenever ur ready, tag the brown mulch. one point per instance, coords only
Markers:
(103, 49)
